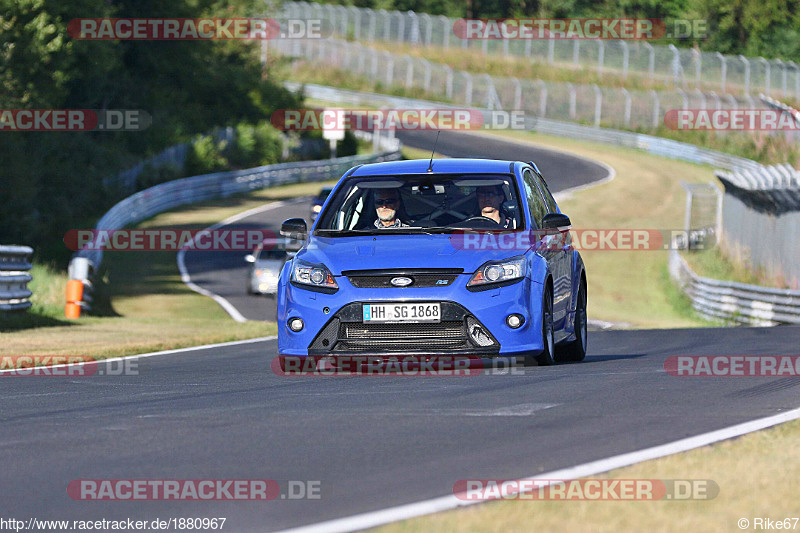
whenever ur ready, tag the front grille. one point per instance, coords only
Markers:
(346, 333)
(449, 330)
(378, 279)
(418, 280)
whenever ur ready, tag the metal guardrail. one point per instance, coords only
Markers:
(679, 67)
(640, 141)
(775, 104)
(614, 107)
(14, 278)
(165, 196)
(736, 302)
(772, 189)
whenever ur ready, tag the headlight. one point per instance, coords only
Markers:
(313, 275)
(316, 209)
(499, 271)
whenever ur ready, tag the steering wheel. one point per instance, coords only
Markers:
(479, 222)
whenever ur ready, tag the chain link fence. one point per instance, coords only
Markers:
(587, 104)
(684, 68)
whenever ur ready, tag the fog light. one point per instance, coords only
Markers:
(296, 324)
(477, 333)
(514, 321)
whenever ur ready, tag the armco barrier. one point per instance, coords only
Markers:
(738, 302)
(648, 143)
(165, 196)
(14, 278)
(614, 107)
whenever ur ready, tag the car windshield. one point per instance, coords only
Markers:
(267, 255)
(422, 204)
(323, 194)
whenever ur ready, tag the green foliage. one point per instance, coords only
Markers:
(52, 182)
(348, 145)
(255, 146)
(206, 156)
(769, 28)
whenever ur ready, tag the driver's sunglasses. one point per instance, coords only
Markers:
(487, 193)
(386, 201)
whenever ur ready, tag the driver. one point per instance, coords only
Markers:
(387, 203)
(490, 200)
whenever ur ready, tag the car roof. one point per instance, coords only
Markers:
(440, 166)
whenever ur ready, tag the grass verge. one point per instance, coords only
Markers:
(719, 263)
(773, 453)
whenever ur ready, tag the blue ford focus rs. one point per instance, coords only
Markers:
(449, 257)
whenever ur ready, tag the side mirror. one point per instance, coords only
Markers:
(556, 221)
(294, 228)
(250, 258)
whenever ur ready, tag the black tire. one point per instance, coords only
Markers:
(576, 350)
(547, 356)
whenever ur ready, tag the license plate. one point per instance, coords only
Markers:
(410, 313)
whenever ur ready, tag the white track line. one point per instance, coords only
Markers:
(187, 279)
(444, 503)
(154, 354)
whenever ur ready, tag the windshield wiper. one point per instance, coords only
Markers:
(385, 231)
(345, 232)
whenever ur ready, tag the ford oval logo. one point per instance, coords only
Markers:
(402, 281)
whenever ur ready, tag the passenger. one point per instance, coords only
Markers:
(387, 203)
(490, 201)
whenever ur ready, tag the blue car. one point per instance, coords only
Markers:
(449, 257)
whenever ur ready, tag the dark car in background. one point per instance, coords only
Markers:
(318, 201)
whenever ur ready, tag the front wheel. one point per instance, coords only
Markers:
(576, 350)
(547, 356)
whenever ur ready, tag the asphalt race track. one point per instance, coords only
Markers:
(370, 442)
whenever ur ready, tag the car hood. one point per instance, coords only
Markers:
(397, 252)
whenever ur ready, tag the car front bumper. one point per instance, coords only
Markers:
(333, 325)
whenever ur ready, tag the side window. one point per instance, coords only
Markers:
(545, 191)
(535, 203)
